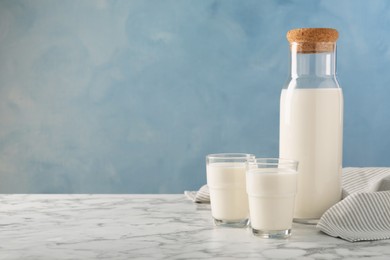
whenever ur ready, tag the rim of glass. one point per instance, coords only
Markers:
(230, 156)
(273, 161)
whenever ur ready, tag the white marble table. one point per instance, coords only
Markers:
(149, 227)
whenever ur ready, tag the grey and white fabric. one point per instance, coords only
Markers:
(364, 212)
(200, 196)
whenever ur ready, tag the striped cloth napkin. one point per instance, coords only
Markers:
(200, 196)
(364, 212)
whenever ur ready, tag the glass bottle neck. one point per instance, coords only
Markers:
(317, 64)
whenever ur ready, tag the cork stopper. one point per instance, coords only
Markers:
(312, 40)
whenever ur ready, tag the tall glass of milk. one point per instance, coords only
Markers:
(271, 185)
(226, 182)
(311, 121)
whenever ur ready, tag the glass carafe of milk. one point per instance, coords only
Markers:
(311, 121)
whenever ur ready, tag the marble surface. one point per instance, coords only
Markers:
(149, 227)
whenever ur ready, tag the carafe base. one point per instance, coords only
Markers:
(306, 221)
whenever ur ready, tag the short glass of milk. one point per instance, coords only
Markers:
(271, 185)
(227, 184)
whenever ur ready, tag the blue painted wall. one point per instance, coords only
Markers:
(129, 96)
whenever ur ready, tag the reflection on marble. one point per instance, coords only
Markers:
(149, 226)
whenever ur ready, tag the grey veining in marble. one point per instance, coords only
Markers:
(149, 226)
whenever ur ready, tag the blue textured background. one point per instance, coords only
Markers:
(129, 96)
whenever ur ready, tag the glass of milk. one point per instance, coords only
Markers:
(226, 182)
(271, 185)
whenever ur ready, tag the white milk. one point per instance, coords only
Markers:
(311, 125)
(228, 196)
(271, 198)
